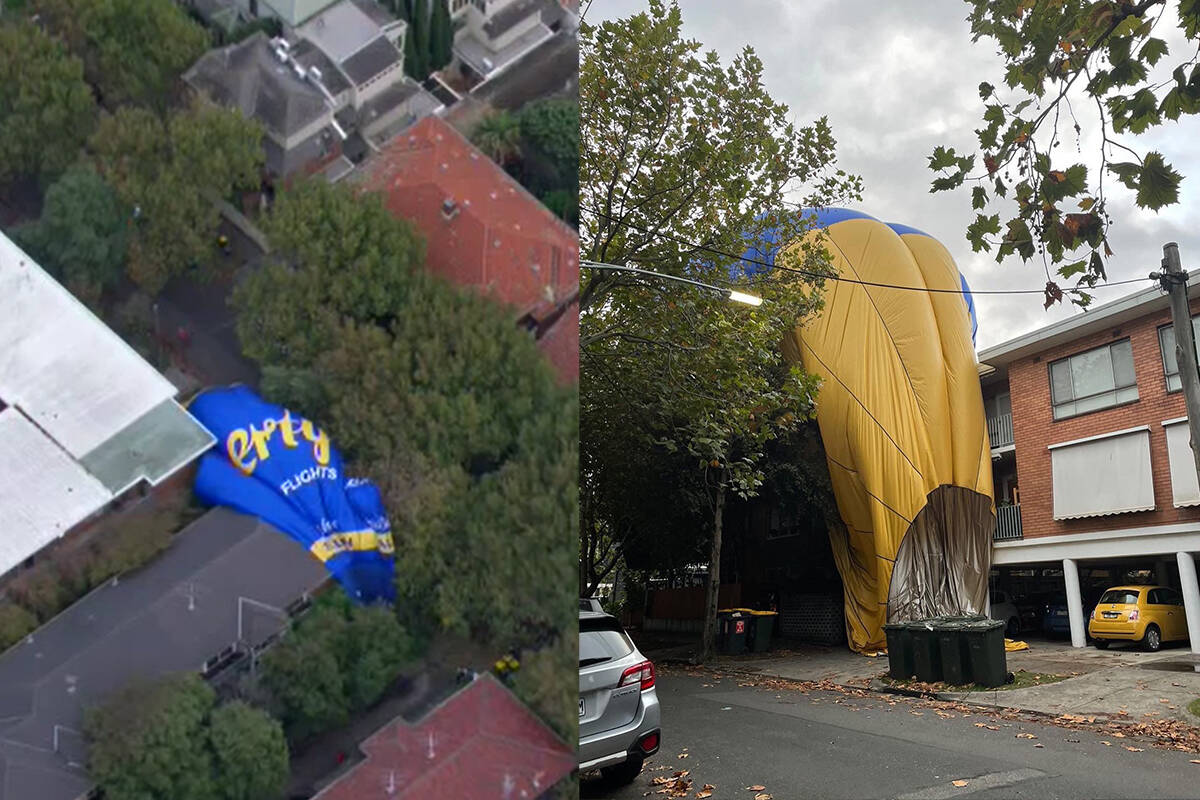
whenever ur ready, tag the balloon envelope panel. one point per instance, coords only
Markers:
(282, 468)
(901, 415)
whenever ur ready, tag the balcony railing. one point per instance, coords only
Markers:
(1008, 523)
(1000, 430)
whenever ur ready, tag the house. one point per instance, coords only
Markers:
(1094, 476)
(84, 421)
(481, 744)
(483, 229)
(492, 34)
(322, 91)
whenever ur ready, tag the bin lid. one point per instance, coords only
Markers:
(763, 613)
(982, 625)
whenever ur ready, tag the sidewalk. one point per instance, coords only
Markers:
(1122, 682)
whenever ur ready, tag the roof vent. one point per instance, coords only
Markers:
(449, 209)
(315, 74)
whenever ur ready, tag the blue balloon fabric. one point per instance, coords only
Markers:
(281, 468)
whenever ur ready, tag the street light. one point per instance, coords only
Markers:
(731, 294)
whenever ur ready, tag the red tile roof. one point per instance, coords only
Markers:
(481, 744)
(482, 228)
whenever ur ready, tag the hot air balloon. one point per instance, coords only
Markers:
(901, 415)
(282, 468)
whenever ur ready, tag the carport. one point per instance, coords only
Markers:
(1166, 554)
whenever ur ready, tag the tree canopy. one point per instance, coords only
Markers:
(167, 738)
(172, 173)
(1098, 70)
(686, 162)
(83, 233)
(133, 51)
(434, 391)
(46, 108)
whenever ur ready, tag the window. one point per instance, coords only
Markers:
(1156, 598)
(1105, 474)
(1120, 597)
(1166, 342)
(1170, 597)
(1093, 380)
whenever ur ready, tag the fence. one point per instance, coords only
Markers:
(1000, 431)
(1008, 523)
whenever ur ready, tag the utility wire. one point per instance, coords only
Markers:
(841, 279)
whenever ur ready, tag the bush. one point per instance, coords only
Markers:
(131, 545)
(15, 624)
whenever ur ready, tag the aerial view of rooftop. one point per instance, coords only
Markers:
(289, 331)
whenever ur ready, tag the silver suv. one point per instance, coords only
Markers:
(618, 707)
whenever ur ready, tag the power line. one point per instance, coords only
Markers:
(841, 279)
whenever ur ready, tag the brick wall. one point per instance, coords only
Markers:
(1034, 428)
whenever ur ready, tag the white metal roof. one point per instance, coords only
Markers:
(64, 368)
(43, 491)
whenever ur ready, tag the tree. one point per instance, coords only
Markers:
(684, 164)
(149, 740)
(46, 108)
(1107, 56)
(83, 234)
(250, 755)
(412, 65)
(550, 128)
(441, 36)
(436, 393)
(172, 173)
(304, 676)
(498, 135)
(419, 31)
(538, 686)
(133, 51)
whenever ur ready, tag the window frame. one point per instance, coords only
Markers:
(1114, 390)
(1162, 353)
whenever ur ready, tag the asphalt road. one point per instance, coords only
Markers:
(834, 745)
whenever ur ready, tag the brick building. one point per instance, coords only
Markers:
(483, 229)
(1095, 484)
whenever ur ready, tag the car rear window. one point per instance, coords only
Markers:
(1120, 597)
(602, 640)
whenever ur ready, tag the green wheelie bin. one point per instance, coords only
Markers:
(762, 623)
(985, 651)
(927, 656)
(900, 650)
(952, 646)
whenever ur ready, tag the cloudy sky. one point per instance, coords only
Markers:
(898, 78)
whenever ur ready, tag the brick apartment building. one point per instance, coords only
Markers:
(1095, 484)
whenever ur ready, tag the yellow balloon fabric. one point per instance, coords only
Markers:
(901, 416)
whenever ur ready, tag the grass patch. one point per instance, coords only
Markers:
(1021, 680)
(1194, 707)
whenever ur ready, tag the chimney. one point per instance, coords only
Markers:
(449, 209)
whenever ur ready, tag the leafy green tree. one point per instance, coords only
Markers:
(441, 36)
(418, 31)
(250, 754)
(171, 173)
(1112, 59)
(498, 135)
(537, 684)
(15, 624)
(376, 649)
(83, 233)
(685, 162)
(133, 51)
(304, 676)
(550, 129)
(149, 740)
(46, 108)
(435, 392)
(412, 66)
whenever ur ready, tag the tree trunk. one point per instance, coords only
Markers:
(714, 580)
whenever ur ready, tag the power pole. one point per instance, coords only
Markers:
(1174, 282)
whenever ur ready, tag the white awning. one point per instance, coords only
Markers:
(1100, 475)
(1185, 488)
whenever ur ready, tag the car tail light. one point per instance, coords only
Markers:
(642, 673)
(1133, 615)
(649, 743)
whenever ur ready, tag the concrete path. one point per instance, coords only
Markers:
(1122, 682)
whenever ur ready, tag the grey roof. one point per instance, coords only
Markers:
(173, 615)
(309, 55)
(474, 53)
(152, 448)
(510, 15)
(378, 14)
(340, 30)
(286, 162)
(371, 60)
(247, 76)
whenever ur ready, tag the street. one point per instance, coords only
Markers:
(737, 732)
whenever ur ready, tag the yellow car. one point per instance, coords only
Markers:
(1147, 614)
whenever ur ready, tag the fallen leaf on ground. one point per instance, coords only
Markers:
(1195, 761)
(1133, 749)
(704, 793)
(1039, 744)
(959, 783)
(1025, 736)
(683, 755)
(762, 796)
(1106, 744)
(755, 788)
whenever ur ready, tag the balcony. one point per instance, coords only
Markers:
(1000, 430)
(1008, 523)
